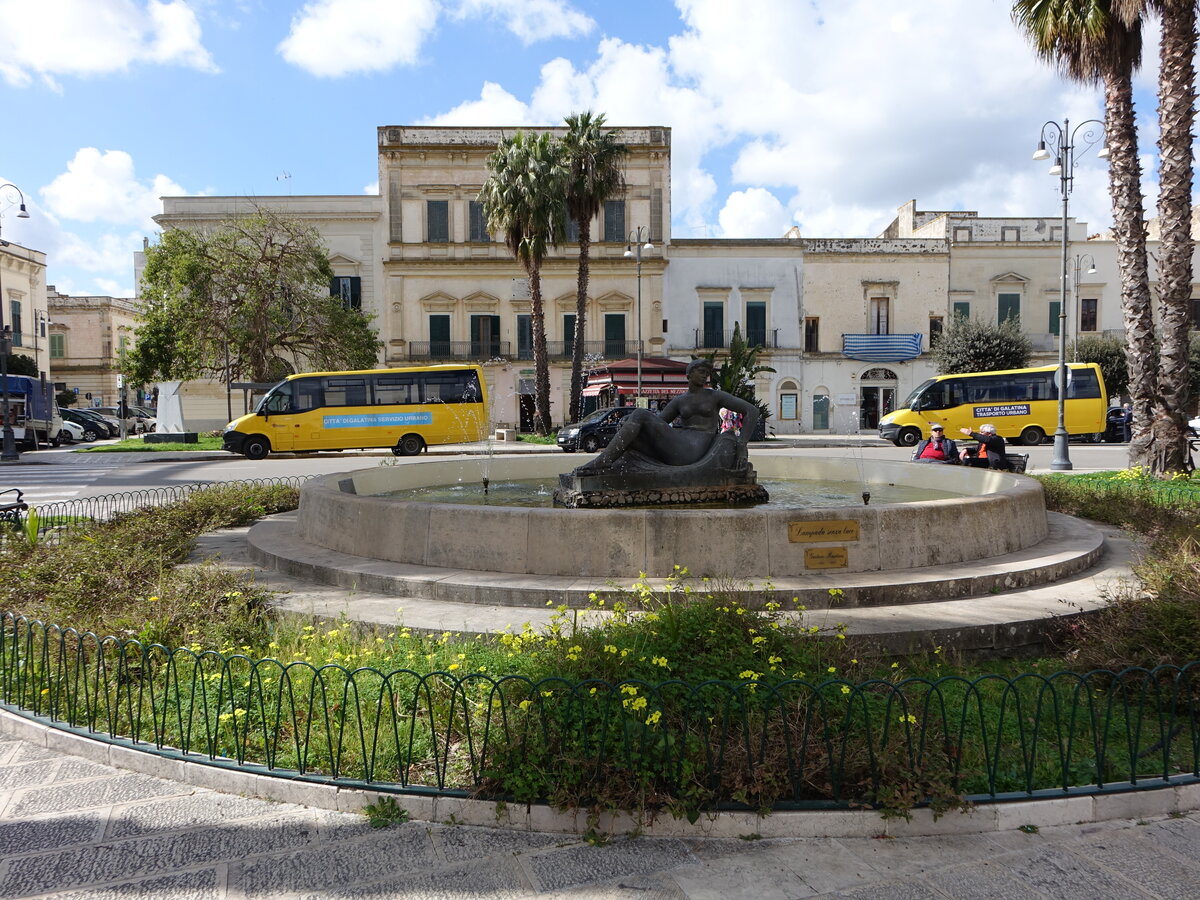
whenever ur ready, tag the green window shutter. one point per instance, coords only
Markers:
(1008, 306)
(1055, 312)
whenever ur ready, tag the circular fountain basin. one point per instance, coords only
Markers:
(993, 513)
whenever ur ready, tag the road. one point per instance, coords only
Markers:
(61, 474)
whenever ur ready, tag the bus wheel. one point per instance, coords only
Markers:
(409, 445)
(1032, 436)
(256, 447)
(908, 437)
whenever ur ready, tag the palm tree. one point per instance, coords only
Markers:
(595, 161)
(523, 200)
(1090, 44)
(1163, 444)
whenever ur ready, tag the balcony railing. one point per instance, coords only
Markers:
(709, 339)
(479, 351)
(484, 350)
(882, 347)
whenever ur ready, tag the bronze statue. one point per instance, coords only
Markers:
(652, 435)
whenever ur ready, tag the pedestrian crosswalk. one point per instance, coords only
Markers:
(45, 481)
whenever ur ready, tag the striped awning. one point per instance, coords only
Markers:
(882, 347)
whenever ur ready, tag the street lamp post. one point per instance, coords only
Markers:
(1062, 141)
(8, 448)
(633, 248)
(1091, 269)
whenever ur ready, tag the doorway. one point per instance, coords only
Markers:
(877, 397)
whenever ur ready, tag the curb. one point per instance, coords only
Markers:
(983, 818)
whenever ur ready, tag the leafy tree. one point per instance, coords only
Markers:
(66, 398)
(975, 345)
(244, 301)
(595, 173)
(735, 374)
(523, 200)
(1109, 354)
(20, 364)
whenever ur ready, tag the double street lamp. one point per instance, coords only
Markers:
(1061, 139)
(633, 248)
(8, 449)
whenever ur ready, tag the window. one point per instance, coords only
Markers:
(476, 224)
(15, 306)
(756, 323)
(307, 393)
(524, 336)
(396, 390)
(450, 387)
(1009, 306)
(614, 335)
(878, 323)
(439, 336)
(1010, 232)
(1195, 313)
(345, 391)
(58, 346)
(1055, 316)
(572, 229)
(1087, 314)
(485, 336)
(962, 308)
(788, 406)
(962, 235)
(568, 334)
(935, 330)
(349, 288)
(812, 333)
(1056, 233)
(437, 216)
(614, 221)
(714, 324)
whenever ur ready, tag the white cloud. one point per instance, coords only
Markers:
(103, 186)
(372, 188)
(54, 38)
(331, 38)
(495, 106)
(754, 213)
(530, 20)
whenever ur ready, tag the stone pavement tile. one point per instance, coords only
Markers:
(1062, 875)
(491, 879)
(911, 856)
(461, 843)
(49, 833)
(395, 851)
(73, 768)
(173, 813)
(1179, 835)
(824, 864)
(582, 864)
(27, 752)
(981, 880)
(84, 794)
(1137, 856)
(28, 774)
(653, 886)
(753, 876)
(202, 885)
(141, 857)
(911, 889)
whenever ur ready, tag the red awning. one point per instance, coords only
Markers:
(648, 390)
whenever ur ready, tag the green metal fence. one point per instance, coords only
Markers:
(716, 744)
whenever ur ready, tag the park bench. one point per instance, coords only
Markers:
(12, 505)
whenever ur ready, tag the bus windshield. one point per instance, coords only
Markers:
(916, 394)
(277, 399)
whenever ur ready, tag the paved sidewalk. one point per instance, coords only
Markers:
(74, 828)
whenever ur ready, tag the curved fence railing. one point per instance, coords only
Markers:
(60, 517)
(711, 745)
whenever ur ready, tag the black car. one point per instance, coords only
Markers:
(90, 421)
(594, 431)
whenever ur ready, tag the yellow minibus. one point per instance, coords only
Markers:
(405, 409)
(1021, 403)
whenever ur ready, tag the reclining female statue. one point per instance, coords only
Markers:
(699, 410)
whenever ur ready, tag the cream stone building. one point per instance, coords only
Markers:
(23, 292)
(85, 341)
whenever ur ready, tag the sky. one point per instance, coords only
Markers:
(824, 114)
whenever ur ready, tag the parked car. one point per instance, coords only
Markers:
(70, 433)
(136, 422)
(98, 425)
(593, 432)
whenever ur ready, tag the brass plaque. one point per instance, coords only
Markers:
(826, 558)
(826, 530)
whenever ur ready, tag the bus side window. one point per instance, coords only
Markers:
(395, 390)
(1082, 385)
(308, 393)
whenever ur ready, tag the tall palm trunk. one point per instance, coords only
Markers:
(1176, 110)
(541, 390)
(1129, 228)
(581, 289)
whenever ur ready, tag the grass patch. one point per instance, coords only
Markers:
(137, 445)
(551, 438)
